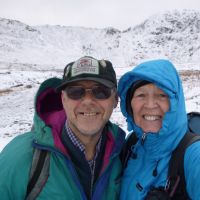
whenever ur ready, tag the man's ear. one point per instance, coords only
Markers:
(62, 96)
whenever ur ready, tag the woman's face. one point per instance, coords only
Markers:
(149, 104)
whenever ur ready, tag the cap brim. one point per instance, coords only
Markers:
(98, 80)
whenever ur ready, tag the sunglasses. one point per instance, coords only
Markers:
(99, 92)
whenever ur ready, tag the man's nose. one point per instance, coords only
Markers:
(88, 95)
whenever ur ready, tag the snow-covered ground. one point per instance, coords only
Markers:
(18, 88)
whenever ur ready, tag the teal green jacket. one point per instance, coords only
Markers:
(62, 183)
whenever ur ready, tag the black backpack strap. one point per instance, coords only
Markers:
(126, 149)
(39, 173)
(177, 183)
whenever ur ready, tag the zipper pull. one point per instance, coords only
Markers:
(143, 138)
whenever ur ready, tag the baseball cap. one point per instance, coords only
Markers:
(89, 68)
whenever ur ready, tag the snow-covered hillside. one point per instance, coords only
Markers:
(174, 35)
(29, 55)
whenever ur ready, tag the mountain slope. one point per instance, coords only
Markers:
(174, 35)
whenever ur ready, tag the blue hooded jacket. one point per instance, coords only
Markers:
(154, 154)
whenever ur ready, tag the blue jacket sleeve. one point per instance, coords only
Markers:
(192, 170)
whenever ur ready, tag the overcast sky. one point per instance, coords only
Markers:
(119, 14)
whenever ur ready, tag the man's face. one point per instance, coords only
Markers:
(149, 104)
(88, 115)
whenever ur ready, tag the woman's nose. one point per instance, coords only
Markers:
(151, 102)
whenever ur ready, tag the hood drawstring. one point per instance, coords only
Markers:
(155, 171)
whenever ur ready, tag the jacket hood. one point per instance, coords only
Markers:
(49, 116)
(47, 100)
(163, 74)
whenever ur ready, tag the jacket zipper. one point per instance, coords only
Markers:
(143, 138)
(92, 178)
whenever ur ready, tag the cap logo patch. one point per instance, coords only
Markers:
(85, 66)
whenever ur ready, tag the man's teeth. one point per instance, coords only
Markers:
(89, 114)
(151, 118)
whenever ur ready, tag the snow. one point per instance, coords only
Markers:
(174, 35)
(29, 55)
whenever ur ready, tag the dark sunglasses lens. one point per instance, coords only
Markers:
(101, 92)
(75, 92)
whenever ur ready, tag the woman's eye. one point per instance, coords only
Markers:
(163, 95)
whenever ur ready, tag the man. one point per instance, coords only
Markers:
(82, 144)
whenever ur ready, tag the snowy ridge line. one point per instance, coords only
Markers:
(173, 35)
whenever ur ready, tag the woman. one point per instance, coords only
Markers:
(153, 103)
